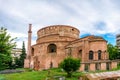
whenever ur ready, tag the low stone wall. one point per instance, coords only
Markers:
(11, 71)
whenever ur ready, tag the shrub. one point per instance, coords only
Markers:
(70, 65)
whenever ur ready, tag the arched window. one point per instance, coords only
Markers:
(80, 54)
(32, 51)
(52, 48)
(99, 54)
(90, 55)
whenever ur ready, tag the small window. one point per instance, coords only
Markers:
(99, 54)
(72, 29)
(52, 48)
(90, 55)
(51, 64)
(105, 51)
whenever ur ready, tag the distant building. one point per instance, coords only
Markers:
(55, 43)
(118, 40)
(16, 52)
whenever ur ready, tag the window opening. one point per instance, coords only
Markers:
(90, 55)
(52, 48)
(99, 54)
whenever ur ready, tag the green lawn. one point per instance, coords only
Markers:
(39, 75)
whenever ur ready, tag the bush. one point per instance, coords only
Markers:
(70, 65)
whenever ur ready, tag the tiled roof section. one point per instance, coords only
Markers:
(92, 37)
(89, 38)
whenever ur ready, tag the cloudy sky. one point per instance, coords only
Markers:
(91, 17)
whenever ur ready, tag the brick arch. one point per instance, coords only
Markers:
(52, 48)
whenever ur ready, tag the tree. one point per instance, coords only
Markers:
(20, 61)
(6, 45)
(23, 55)
(17, 62)
(70, 65)
(114, 52)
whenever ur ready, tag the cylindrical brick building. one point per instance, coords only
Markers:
(49, 49)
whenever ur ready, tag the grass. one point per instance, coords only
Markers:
(39, 75)
(42, 75)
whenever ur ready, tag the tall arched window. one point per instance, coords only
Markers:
(52, 48)
(99, 54)
(90, 55)
(32, 51)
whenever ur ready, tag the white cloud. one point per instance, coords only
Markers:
(17, 34)
(82, 14)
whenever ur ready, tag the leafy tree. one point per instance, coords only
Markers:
(70, 65)
(20, 61)
(6, 45)
(114, 52)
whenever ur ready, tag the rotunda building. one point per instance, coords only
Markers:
(49, 49)
(55, 43)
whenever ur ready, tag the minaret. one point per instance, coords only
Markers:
(28, 56)
(29, 42)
